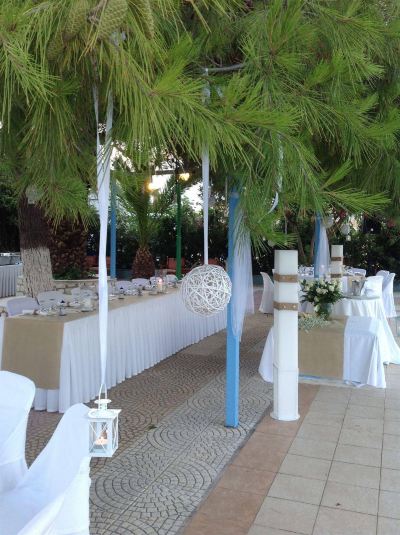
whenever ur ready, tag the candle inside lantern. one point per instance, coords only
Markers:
(159, 285)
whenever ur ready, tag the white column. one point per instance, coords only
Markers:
(286, 366)
(337, 262)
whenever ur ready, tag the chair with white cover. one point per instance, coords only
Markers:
(17, 305)
(123, 285)
(387, 296)
(359, 271)
(267, 300)
(140, 281)
(51, 297)
(53, 497)
(171, 278)
(16, 398)
(82, 292)
(383, 273)
(373, 286)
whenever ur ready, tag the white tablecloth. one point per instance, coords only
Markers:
(140, 335)
(8, 279)
(365, 350)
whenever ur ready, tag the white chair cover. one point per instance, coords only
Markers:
(267, 300)
(171, 278)
(359, 271)
(387, 296)
(373, 286)
(82, 292)
(383, 273)
(124, 285)
(54, 494)
(51, 297)
(140, 282)
(18, 304)
(16, 398)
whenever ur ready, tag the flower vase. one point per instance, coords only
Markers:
(325, 310)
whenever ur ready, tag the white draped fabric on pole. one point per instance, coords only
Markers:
(322, 258)
(205, 168)
(242, 281)
(103, 192)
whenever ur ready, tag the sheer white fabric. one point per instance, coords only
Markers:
(171, 278)
(141, 334)
(323, 258)
(359, 271)
(364, 353)
(52, 297)
(242, 299)
(383, 273)
(387, 296)
(267, 300)
(19, 304)
(8, 279)
(141, 282)
(54, 494)
(373, 286)
(16, 397)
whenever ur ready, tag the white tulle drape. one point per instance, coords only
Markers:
(322, 258)
(242, 281)
(103, 193)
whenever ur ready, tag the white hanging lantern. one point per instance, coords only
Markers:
(33, 195)
(271, 243)
(206, 290)
(103, 429)
(345, 229)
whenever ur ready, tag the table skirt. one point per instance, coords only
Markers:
(139, 336)
(8, 279)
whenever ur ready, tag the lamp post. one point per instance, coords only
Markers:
(179, 177)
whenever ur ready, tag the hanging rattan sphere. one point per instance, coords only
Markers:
(206, 290)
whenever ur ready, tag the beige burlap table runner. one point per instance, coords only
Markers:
(321, 350)
(32, 344)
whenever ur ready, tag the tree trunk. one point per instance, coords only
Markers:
(143, 264)
(68, 244)
(35, 253)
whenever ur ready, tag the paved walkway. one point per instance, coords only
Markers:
(335, 472)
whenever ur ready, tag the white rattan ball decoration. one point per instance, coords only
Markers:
(206, 290)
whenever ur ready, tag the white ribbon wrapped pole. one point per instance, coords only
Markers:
(205, 168)
(103, 193)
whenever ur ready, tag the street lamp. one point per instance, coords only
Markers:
(179, 178)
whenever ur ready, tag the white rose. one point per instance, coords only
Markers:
(331, 288)
(320, 291)
(316, 308)
(316, 299)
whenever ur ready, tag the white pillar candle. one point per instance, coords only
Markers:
(337, 262)
(286, 368)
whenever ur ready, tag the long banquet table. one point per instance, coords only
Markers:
(8, 279)
(61, 353)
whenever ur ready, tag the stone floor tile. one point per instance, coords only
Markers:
(388, 526)
(355, 474)
(287, 515)
(264, 530)
(358, 455)
(353, 437)
(296, 465)
(390, 480)
(321, 449)
(229, 505)
(368, 391)
(392, 415)
(257, 459)
(321, 418)
(391, 403)
(320, 432)
(328, 408)
(389, 504)
(350, 498)
(275, 427)
(361, 411)
(371, 425)
(367, 401)
(202, 525)
(244, 479)
(338, 522)
(391, 459)
(391, 442)
(298, 489)
(392, 428)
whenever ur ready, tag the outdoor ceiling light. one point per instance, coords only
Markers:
(184, 176)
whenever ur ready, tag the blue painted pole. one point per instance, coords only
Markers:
(113, 232)
(318, 222)
(232, 341)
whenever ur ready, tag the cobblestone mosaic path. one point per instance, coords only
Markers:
(173, 442)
